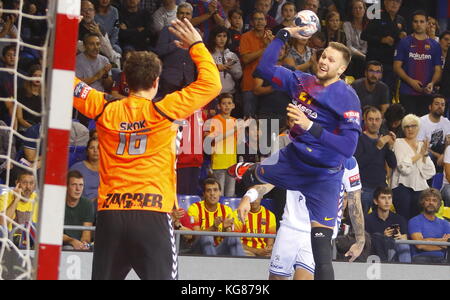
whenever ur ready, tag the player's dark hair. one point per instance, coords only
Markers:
(224, 96)
(210, 181)
(374, 63)
(74, 174)
(346, 52)
(141, 70)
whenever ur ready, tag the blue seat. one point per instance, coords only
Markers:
(184, 201)
(76, 154)
(438, 180)
(231, 202)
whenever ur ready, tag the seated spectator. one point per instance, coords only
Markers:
(260, 220)
(235, 29)
(373, 153)
(20, 205)
(312, 5)
(393, 120)
(265, 6)
(427, 227)
(7, 82)
(353, 28)
(301, 57)
(317, 41)
(164, 15)
(78, 212)
(88, 25)
(33, 31)
(371, 90)
(332, 30)
(93, 68)
(227, 62)
(206, 15)
(30, 95)
(5, 166)
(434, 128)
(210, 215)
(89, 169)
(252, 47)
(385, 227)
(288, 13)
(444, 41)
(432, 29)
(8, 29)
(414, 168)
(178, 68)
(134, 26)
(107, 16)
(222, 134)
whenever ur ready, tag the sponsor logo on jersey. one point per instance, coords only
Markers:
(352, 117)
(328, 219)
(136, 200)
(419, 57)
(82, 90)
(355, 180)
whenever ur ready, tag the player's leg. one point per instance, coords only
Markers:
(284, 253)
(153, 251)
(322, 251)
(111, 261)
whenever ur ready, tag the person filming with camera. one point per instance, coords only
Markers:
(385, 227)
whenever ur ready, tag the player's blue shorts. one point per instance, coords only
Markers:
(320, 185)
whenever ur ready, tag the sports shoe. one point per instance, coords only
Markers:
(238, 170)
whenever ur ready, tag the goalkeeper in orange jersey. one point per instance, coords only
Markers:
(137, 189)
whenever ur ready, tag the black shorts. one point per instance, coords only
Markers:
(139, 240)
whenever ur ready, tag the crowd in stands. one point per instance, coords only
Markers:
(399, 71)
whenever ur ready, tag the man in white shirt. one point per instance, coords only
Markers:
(434, 128)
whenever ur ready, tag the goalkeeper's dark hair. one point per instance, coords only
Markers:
(141, 69)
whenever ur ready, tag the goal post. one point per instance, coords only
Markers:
(65, 15)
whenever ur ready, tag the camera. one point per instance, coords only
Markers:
(396, 228)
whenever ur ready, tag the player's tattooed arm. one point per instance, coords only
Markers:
(263, 189)
(357, 217)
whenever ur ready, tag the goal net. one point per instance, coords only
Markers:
(37, 45)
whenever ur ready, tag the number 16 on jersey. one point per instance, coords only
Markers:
(137, 143)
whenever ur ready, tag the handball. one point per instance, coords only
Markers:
(309, 22)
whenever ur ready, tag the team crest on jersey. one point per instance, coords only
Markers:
(355, 180)
(263, 222)
(82, 90)
(352, 117)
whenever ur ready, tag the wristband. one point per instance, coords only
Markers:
(252, 194)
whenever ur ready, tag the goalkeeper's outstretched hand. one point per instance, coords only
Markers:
(185, 32)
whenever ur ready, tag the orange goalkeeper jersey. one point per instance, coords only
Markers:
(137, 139)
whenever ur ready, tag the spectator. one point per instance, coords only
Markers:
(382, 36)
(393, 120)
(8, 29)
(134, 26)
(260, 220)
(373, 152)
(427, 227)
(190, 156)
(432, 29)
(446, 180)
(21, 204)
(228, 6)
(444, 41)
(89, 169)
(385, 227)
(210, 215)
(371, 90)
(150, 6)
(227, 62)
(178, 67)
(164, 15)
(317, 41)
(434, 128)
(301, 57)
(333, 31)
(265, 6)
(182, 221)
(235, 30)
(78, 212)
(120, 88)
(33, 31)
(221, 131)
(88, 26)
(418, 63)
(92, 67)
(30, 95)
(7, 82)
(288, 13)
(253, 44)
(206, 15)
(312, 5)
(414, 168)
(353, 28)
(5, 141)
(107, 17)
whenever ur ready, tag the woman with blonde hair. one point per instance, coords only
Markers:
(414, 168)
